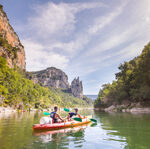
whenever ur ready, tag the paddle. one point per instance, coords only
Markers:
(93, 120)
(77, 119)
(46, 113)
(67, 110)
(93, 124)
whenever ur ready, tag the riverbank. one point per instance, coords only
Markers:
(132, 108)
(10, 109)
(7, 110)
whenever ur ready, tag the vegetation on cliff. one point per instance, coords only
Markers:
(10, 45)
(1, 9)
(132, 82)
(50, 77)
(68, 98)
(12, 51)
(16, 89)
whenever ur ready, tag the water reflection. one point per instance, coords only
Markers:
(113, 131)
(64, 136)
(134, 129)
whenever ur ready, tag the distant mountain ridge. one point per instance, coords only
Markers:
(93, 97)
(53, 77)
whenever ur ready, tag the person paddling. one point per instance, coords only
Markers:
(71, 114)
(55, 116)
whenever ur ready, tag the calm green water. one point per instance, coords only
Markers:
(113, 131)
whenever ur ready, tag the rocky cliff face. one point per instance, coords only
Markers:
(77, 88)
(10, 45)
(54, 77)
(51, 77)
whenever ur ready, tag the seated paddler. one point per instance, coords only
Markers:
(55, 116)
(72, 114)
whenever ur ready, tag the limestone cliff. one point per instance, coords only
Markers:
(77, 88)
(53, 77)
(10, 45)
(50, 77)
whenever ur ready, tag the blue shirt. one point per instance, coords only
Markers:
(52, 115)
(71, 114)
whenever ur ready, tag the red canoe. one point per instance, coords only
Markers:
(60, 125)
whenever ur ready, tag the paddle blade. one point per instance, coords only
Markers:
(93, 124)
(46, 113)
(93, 120)
(77, 119)
(67, 110)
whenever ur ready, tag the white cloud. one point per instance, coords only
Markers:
(124, 54)
(111, 42)
(102, 21)
(84, 50)
(83, 38)
(57, 19)
(132, 50)
(115, 39)
(71, 48)
(127, 33)
(39, 57)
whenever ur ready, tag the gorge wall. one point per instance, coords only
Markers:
(10, 45)
(13, 51)
(50, 77)
(53, 77)
(77, 88)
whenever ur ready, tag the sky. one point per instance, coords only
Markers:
(85, 38)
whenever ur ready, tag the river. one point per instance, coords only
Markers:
(113, 131)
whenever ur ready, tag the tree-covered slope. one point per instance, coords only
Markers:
(132, 82)
(15, 89)
(71, 100)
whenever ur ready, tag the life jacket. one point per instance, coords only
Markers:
(52, 115)
(71, 114)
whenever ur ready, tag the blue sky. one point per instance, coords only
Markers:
(86, 38)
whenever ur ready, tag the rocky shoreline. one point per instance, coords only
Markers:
(131, 108)
(7, 110)
(12, 110)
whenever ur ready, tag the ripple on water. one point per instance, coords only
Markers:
(111, 132)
